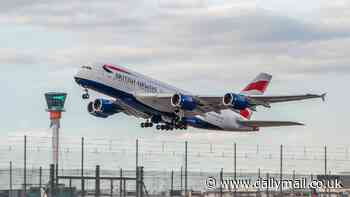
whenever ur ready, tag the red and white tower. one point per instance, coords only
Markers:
(55, 106)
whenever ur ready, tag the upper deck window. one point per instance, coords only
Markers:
(106, 69)
(87, 67)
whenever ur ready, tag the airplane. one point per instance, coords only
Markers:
(170, 108)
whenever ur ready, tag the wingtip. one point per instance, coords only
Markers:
(323, 96)
(301, 124)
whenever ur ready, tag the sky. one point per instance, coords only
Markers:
(203, 46)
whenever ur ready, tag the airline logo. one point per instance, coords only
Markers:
(259, 84)
(112, 69)
(245, 113)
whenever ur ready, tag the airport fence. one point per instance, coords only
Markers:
(169, 165)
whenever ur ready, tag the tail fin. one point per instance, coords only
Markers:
(257, 87)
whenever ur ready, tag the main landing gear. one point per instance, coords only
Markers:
(146, 124)
(86, 94)
(171, 127)
(165, 126)
(176, 123)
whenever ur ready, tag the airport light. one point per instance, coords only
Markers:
(55, 106)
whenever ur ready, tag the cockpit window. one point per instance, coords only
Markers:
(106, 69)
(87, 67)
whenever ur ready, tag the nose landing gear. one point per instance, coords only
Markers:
(86, 94)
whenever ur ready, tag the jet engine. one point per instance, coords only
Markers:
(103, 108)
(184, 102)
(236, 101)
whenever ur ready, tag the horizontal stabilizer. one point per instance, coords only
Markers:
(260, 123)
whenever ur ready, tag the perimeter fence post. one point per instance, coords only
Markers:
(97, 181)
(10, 182)
(186, 172)
(281, 170)
(221, 181)
(234, 167)
(82, 168)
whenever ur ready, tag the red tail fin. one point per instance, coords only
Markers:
(246, 113)
(258, 85)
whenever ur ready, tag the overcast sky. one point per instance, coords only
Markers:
(204, 46)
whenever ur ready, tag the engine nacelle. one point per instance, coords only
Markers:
(236, 101)
(103, 108)
(184, 102)
(92, 111)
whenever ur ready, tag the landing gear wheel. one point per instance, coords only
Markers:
(146, 124)
(158, 127)
(85, 96)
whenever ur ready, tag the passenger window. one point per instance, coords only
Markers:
(86, 67)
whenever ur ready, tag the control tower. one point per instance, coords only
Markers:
(55, 106)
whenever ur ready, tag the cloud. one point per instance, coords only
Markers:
(188, 35)
(189, 44)
(12, 56)
(335, 13)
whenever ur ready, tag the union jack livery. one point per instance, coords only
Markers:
(258, 86)
(170, 108)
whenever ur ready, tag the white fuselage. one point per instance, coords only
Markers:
(126, 81)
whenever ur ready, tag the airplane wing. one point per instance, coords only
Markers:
(162, 102)
(214, 103)
(129, 110)
(260, 123)
(266, 100)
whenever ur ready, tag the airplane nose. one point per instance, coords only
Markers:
(77, 79)
(82, 75)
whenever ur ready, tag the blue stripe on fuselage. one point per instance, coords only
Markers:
(127, 98)
(130, 100)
